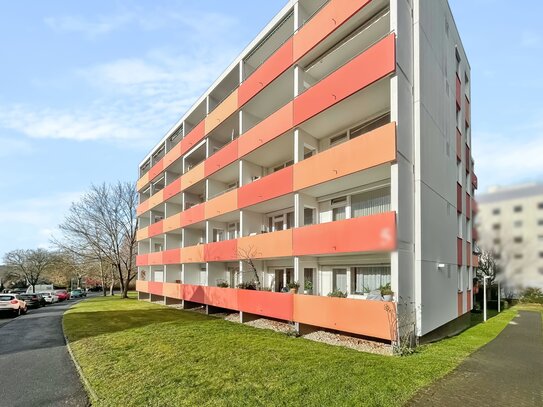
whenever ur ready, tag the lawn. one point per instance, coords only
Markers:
(140, 354)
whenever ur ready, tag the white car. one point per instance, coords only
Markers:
(12, 303)
(49, 297)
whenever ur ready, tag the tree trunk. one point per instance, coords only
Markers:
(111, 287)
(103, 278)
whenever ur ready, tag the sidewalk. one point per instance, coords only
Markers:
(506, 372)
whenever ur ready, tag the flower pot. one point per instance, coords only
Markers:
(294, 291)
(308, 292)
(387, 297)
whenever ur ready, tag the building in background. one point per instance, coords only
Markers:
(510, 223)
(335, 152)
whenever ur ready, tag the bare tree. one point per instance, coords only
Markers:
(488, 266)
(102, 226)
(247, 256)
(31, 265)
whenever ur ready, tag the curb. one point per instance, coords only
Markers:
(90, 391)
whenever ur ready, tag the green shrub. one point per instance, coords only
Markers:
(532, 295)
(337, 294)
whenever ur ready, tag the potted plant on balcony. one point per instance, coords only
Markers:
(222, 284)
(308, 287)
(247, 285)
(337, 294)
(293, 286)
(386, 292)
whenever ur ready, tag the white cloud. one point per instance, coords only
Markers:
(100, 26)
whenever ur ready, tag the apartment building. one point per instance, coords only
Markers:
(510, 223)
(334, 153)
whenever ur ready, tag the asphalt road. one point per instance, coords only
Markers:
(35, 366)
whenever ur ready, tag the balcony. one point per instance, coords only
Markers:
(458, 198)
(459, 251)
(468, 206)
(458, 145)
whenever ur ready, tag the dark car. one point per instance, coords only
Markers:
(32, 300)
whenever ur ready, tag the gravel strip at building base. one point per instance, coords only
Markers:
(276, 326)
(358, 344)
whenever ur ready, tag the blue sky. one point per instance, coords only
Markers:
(88, 88)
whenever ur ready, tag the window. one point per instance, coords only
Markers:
(517, 209)
(496, 211)
(369, 278)
(158, 247)
(218, 235)
(309, 152)
(281, 222)
(517, 224)
(339, 208)
(541, 255)
(518, 256)
(369, 203)
(334, 141)
(284, 165)
(496, 226)
(459, 277)
(233, 230)
(340, 280)
(540, 205)
(518, 239)
(540, 270)
(309, 216)
(369, 126)
(497, 241)
(540, 222)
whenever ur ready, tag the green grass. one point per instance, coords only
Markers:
(140, 354)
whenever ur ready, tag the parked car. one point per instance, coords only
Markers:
(49, 297)
(78, 294)
(12, 303)
(32, 300)
(62, 295)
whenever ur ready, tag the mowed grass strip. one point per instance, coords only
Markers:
(141, 354)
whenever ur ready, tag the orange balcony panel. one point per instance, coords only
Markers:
(172, 256)
(222, 112)
(459, 251)
(142, 208)
(156, 288)
(469, 254)
(361, 317)
(193, 176)
(326, 21)
(458, 93)
(156, 199)
(142, 234)
(172, 223)
(458, 198)
(173, 290)
(194, 293)
(275, 244)
(193, 138)
(142, 260)
(267, 72)
(365, 69)
(172, 189)
(469, 295)
(460, 303)
(374, 233)
(192, 254)
(271, 186)
(372, 149)
(227, 202)
(222, 158)
(156, 228)
(474, 180)
(142, 286)
(155, 259)
(269, 304)
(271, 127)
(458, 145)
(468, 206)
(221, 251)
(156, 170)
(172, 156)
(142, 182)
(475, 261)
(467, 111)
(222, 297)
(193, 215)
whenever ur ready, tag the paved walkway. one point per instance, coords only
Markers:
(35, 367)
(506, 372)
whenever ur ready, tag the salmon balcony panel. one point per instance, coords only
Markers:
(474, 234)
(374, 148)
(458, 93)
(142, 234)
(373, 233)
(458, 145)
(172, 189)
(278, 63)
(156, 228)
(156, 169)
(155, 259)
(268, 129)
(142, 286)
(267, 245)
(221, 251)
(460, 303)
(193, 215)
(142, 208)
(474, 180)
(173, 290)
(222, 297)
(194, 293)
(326, 21)
(142, 260)
(361, 317)
(268, 304)
(271, 186)
(193, 176)
(193, 138)
(458, 198)
(222, 158)
(192, 254)
(373, 64)
(172, 223)
(459, 251)
(475, 261)
(156, 288)
(172, 256)
(222, 112)
(469, 254)
(142, 182)
(225, 203)
(467, 111)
